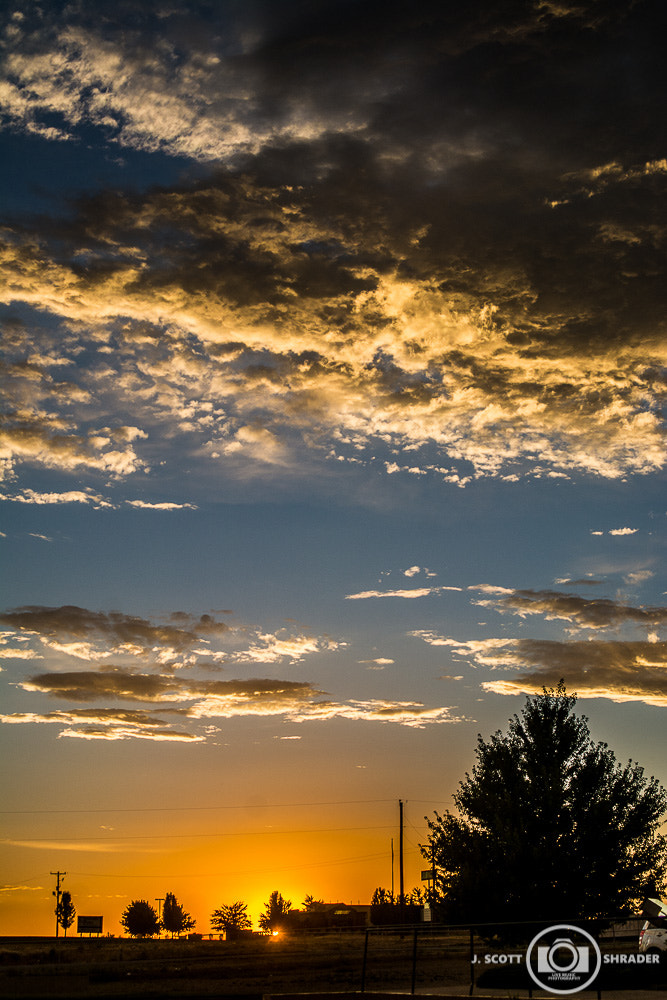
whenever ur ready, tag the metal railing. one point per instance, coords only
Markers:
(493, 955)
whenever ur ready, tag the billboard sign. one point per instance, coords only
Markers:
(89, 925)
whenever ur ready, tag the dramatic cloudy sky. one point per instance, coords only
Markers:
(334, 360)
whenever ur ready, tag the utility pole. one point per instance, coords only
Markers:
(56, 893)
(159, 900)
(392, 869)
(400, 854)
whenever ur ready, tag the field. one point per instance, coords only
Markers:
(119, 967)
(247, 969)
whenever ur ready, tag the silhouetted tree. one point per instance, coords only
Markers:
(174, 918)
(549, 825)
(386, 908)
(310, 903)
(231, 918)
(381, 897)
(65, 911)
(276, 909)
(140, 919)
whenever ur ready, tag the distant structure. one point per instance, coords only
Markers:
(328, 916)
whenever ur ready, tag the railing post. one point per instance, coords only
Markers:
(414, 960)
(363, 966)
(472, 960)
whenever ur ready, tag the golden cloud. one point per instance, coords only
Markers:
(273, 331)
(196, 701)
(114, 630)
(596, 613)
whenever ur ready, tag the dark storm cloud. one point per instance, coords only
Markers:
(598, 613)
(523, 366)
(113, 628)
(431, 227)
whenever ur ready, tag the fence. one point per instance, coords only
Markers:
(513, 957)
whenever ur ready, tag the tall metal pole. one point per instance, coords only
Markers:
(392, 869)
(400, 855)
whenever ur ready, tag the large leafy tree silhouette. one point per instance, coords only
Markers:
(232, 918)
(549, 826)
(140, 919)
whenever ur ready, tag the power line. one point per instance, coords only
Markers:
(188, 836)
(244, 805)
(243, 871)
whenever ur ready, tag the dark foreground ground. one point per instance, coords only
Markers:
(96, 968)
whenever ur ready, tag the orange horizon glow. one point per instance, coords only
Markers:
(335, 866)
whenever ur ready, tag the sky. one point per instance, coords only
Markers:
(333, 364)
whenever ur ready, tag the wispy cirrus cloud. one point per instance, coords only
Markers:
(616, 532)
(413, 714)
(89, 498)
(272, 648)
(21, 888)
(28, 496)
(102, 846)
(406, 593)
(162, 505)
(378, 663)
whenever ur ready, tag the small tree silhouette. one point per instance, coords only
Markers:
(174, 918)
(381, 897)
(65, 911)
(276, 910)
(140, 919)
(231, 919)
